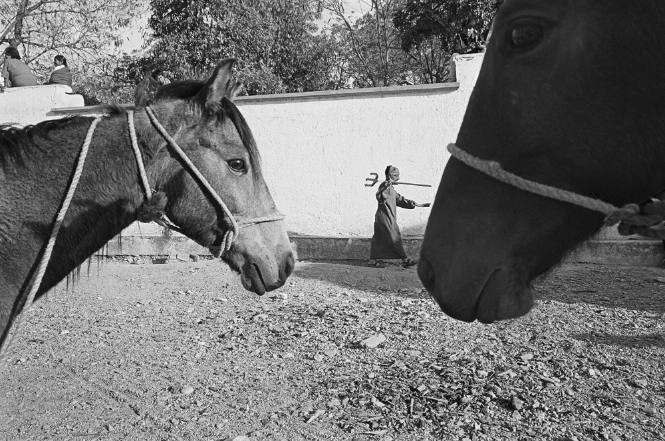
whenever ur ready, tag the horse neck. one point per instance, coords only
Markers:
(105, 201)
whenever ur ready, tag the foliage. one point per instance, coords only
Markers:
(84, 31)
(369, 45)
(275, 42)
(433, 30)
(278, 43)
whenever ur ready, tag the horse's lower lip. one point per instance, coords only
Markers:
(252, 280)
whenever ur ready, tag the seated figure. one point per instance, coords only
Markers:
(15, 72)
(61, 73)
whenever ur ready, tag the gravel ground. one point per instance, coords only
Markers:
(180, 351)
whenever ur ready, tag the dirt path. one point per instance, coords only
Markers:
(181, 352)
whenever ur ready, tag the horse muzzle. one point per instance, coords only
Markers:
(499, 297)
(261, 277)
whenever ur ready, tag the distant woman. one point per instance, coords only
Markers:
(61, 73)
(387, 239)
(15, 72)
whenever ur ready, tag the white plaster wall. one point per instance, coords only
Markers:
(318, 149)
(30, 105)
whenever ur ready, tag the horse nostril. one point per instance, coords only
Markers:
(289, 265)
(426, 274)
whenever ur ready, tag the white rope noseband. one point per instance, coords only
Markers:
(494, 170)
(613, 214)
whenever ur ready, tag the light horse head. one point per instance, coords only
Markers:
(203, 121)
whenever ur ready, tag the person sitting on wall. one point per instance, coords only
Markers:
(387, 239)
(61, 73)
(15, 72)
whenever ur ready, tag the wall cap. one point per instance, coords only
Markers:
(288, 97)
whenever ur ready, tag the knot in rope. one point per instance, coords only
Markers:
(627, 213)
(649, 221)
(153, 209)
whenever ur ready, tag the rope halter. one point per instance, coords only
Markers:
(647, 220)
(232, 233)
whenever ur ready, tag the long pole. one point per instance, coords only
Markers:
(410, 183)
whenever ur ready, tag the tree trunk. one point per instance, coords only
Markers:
(21, 12)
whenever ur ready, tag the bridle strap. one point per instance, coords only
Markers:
(137, 153)
(494, 170)
(629, 214)
(189, 166)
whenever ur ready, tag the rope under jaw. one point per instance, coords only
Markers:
(646, 220)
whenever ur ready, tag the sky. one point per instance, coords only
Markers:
(135, 35)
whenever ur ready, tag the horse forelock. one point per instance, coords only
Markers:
(229, 109)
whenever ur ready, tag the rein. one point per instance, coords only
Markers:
(159, 217)
(647, 220)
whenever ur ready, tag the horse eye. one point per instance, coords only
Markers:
(526, 35)
(237, 165)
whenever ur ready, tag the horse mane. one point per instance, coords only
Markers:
(189, 89)
(15, 142)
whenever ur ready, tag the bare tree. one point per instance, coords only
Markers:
(374, 45)
(82, 30)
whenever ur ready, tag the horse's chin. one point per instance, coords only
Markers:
(250, 276)
(502, 298)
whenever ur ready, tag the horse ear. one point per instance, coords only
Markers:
(220, 85)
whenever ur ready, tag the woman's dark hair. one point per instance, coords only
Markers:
(388, 170)
(12, 52)
(61, 59)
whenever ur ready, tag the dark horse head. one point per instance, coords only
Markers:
(571, 94)
(205, 123)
